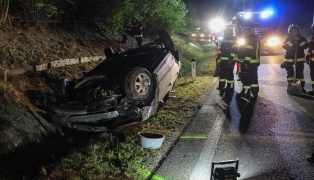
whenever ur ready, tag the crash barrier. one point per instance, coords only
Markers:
(49, 65)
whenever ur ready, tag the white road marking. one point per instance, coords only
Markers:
(202, 168)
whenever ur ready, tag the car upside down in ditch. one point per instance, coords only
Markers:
(126, 87)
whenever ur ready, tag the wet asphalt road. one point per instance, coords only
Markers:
(271, 140)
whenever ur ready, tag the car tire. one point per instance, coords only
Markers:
(139, 85)
(166, 40)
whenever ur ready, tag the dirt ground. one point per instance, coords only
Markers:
(24, 129)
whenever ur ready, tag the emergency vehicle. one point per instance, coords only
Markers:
(202, 34)
(264, 26)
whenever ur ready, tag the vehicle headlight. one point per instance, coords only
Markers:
(201, 35)
(217, 24)
(241, 42)
(273, 41)
(193, 35)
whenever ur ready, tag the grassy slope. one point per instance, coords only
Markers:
(113, 157)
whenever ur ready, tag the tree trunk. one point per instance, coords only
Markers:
(4, 9)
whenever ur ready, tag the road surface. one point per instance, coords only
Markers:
(272, 142)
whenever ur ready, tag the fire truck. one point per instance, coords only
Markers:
(263, 24)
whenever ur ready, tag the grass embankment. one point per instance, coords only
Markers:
(118, 155)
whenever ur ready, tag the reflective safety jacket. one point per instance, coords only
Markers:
(228, 48)
(250, 51)
(295, 48)
(135, 29)
(310, 52)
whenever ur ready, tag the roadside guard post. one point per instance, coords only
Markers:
(225, 170)
(193, 67)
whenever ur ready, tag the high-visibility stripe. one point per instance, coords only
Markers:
(254, 85)
(290, 78)
(312, 82)
(228, 41)
(249, 47)
(138, 36)
(240, 60)
(230, 81)
(301, 79)
(302, 43)
(298, 60)
(255, 61)
(246, 87)
(289, 44)
(247, 58)
(232, 54)
(224, 58)
(222, 80)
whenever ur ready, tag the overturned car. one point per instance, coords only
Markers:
(126, 87)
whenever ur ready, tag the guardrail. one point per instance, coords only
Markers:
(49, 65)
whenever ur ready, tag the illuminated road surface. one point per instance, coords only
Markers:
(272, 144)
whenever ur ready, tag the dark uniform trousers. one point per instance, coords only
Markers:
(253, 75)
(249, 78)
(310, 56)
(299, 72)
(312, 73)
(226, 67)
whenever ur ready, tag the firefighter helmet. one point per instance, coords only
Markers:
(292, 26)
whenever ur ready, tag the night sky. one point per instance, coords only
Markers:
(298, 12)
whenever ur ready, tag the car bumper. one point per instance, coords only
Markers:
(78, 117)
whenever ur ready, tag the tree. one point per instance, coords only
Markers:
(192, 19)
(109, 16)
(162, 14)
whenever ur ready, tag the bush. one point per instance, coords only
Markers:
(110, 16)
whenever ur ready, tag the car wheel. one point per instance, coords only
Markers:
(139, 86)
(166, 40)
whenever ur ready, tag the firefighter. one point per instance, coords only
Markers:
(228, 52)
(135, 30)
(249, 57)
(310, 61)
(295, 44)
